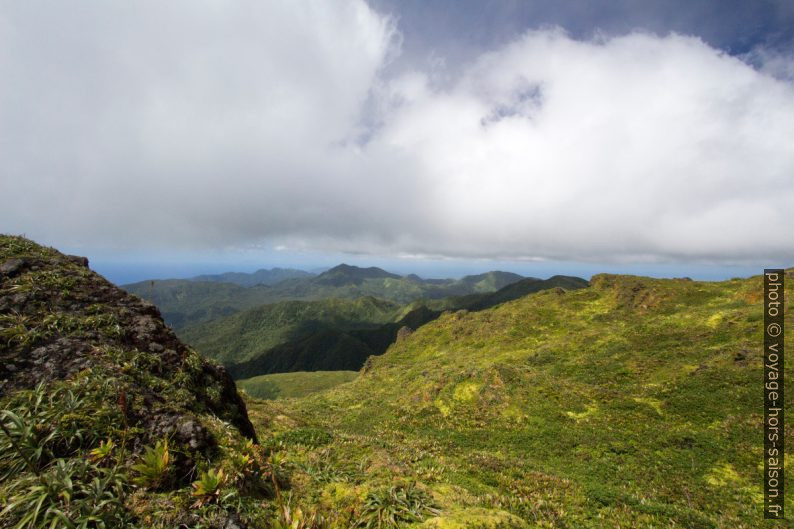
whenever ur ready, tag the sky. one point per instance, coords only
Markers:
(438, 137)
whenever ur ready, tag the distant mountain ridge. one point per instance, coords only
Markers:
(332, 321)
(510, 292)
(185, 302)
(262, 276)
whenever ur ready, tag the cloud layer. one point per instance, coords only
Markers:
(200, 126)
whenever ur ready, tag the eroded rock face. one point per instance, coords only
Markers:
(404, 333)
(59, 319)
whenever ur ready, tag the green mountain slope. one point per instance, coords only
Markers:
(321, 346)
(632, 403)
(185, 302)
(330, 334)
(241, 336)
(182, 301)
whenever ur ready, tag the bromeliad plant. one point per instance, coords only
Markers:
(102, 452)
(153, 469)
(208, 487)
(394, 506)
(44, 424)
(18, 329)
(24, 444)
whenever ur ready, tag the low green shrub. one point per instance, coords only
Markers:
(388, 508)
(71, 493)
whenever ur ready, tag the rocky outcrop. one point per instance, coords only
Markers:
(58, 319)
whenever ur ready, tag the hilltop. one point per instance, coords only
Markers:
(59, 319)
(631, 403)
(108, 420)
(345, 274)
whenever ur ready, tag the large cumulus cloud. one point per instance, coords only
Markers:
(203, 125)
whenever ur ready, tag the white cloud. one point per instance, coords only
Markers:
(774, 62)
(178, 122)
(187, 124)
(634, 147)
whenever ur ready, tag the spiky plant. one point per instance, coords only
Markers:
(294, 517)
(71, 493)
(208, 487)
(389, 508)
(153, 468)
(102, 452)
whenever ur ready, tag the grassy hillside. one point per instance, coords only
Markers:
(184, 302)
(291, 385)
(241, 336)
(632, 403)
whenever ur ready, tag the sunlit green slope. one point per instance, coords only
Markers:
(633, 403)
(297, 384)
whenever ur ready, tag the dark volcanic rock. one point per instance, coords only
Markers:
(59, 319)
(11, 266)
(78, 260)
